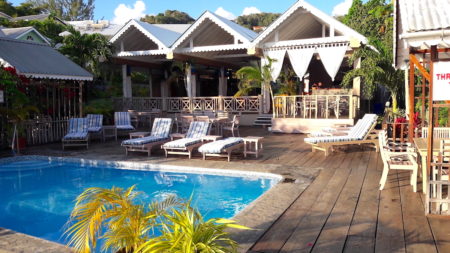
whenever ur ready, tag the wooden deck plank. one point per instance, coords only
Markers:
(418, 235)
(390, 234)
(278, 234)
(361, 236)
(303, 238)
(332, 237)
(441, 232)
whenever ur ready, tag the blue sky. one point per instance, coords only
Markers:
(106, 8)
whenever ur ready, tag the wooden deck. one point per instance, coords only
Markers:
(342, 210)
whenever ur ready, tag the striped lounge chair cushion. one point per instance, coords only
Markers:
(182, 143)
(143, 140)
(198, 129)
(358, 132)
(122, 121)
(77, 129)
(161, 127)
(95, 122)
(216, 147)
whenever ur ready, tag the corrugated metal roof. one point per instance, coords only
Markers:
(179, 28)
(424, 15)
(32, 17)
(247, 33)
(40, 60)
(166, 36)
(13, 33)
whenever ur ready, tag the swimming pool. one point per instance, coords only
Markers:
(37, 193)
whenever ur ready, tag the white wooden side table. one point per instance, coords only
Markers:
(253, 145)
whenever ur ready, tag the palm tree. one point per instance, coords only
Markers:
(87, 50)
(127, 225)
(376, 68)
(186, 231)
(252, 77)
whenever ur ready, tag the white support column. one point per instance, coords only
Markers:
(121, 46)
(194, 85)
(324, 31)
(407, 105)
(236, 40)
(277, 36)
(188, 81)
(357, 82)
(126, 81)
(331, 30)
(222, 83)
(191, 43)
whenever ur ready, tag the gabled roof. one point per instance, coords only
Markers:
(424, 15)
(243, 34)
(39, 60)
(4, 15)
(164, 38)
(32, 17)
(338, 26)
(15, 33)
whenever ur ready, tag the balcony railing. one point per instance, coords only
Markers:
(316, 106)
(248, 104)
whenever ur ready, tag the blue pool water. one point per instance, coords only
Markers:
(37, 196)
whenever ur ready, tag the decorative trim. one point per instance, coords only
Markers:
(149, 35)
(142, 53)
(314, 11)
(212, 48)
(214, 19)
(58, 77)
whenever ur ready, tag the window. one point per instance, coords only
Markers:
(29, 37)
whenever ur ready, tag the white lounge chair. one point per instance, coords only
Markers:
(95, 124)
(193, 139)
(362, 134)
(77, 134)
(159, 135)
(338, 130)
(221, 148)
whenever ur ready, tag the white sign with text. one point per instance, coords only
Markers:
(441, 81)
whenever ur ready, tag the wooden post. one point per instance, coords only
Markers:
(411, 99)
(80, 97)
(431, 115)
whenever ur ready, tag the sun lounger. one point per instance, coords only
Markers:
(78, 134)
(339, 131)
(193, 139)
(95, 124)
(122, 121)
(363, 134)
(221, 148)
(159, 135)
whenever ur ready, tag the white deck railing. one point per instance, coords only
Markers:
(248, 104)
(316, 106)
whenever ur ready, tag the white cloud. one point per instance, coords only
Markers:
(224, 13)
(250, 10)
(342, 8)
(123, 12)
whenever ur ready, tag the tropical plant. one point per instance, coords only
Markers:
(376, 68)
(87, 50)
(124, 223)
(185, 231)
(251, 77)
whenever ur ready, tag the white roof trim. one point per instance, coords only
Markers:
(58, 77)
(306, 42)
(212, 48)
(133, 22)
(217, 21)
(347, 31)
(142, 53)
(37, 32)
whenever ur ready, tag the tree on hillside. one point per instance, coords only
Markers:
(67, 9)
(7, 8)
(169, 17)
(48, 27)
(257, 19)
